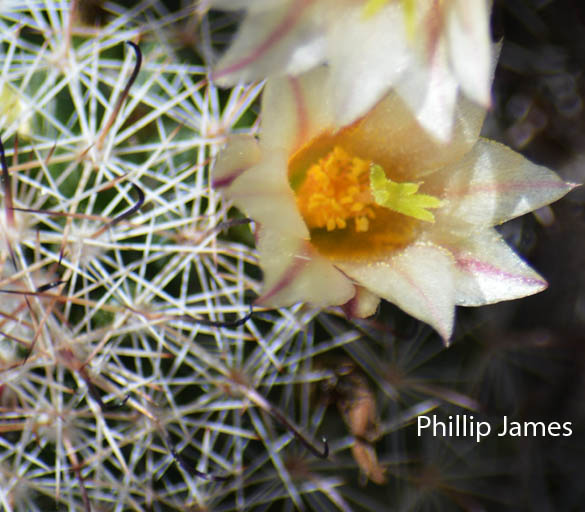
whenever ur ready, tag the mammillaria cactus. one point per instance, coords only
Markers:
(137, 371)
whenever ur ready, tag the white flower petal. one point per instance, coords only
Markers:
(366, 56)
(264, 194)
(282, 39)
(294, 110)
(430, 91)
(295, 272)
(469, 118)
(419, 280)
(391, 134)
(493, 184)
(487, 270)
(426, 55)
(240, 153)
(469, 47)
(363, 304)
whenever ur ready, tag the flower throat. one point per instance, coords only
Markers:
(351, 207)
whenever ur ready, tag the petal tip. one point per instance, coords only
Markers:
(445, 331)
(362, 305)
(541, 286)
(225, 181)
(221, 78)
(571, 185)
(446, 341)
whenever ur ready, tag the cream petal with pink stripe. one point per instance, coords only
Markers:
(240, 153)
(363, 304)
(265, 195)
(488, 271)
(493, 184)
(419, 280)
(294, 110)
(294, 272)
(279, 35)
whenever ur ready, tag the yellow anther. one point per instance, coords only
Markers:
(328, 196)
(359, 166)
(361, 224)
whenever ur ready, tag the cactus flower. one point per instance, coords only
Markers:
(379, 208)
(426, 49)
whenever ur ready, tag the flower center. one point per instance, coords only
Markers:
(335, 190)
(349, 204)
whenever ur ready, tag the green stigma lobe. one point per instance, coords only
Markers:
(401, 197)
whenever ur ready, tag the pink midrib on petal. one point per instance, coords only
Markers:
(287, 277)
(351, 306)
(301, 111)
(508, 186)
(276, 35)
(434, 24)
(227, 180)
(430, 305)
(475, 266)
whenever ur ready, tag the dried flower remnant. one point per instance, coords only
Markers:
(357, 405)
(426, 50)
(379, 208)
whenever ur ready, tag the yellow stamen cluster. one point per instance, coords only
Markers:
(336, 189)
